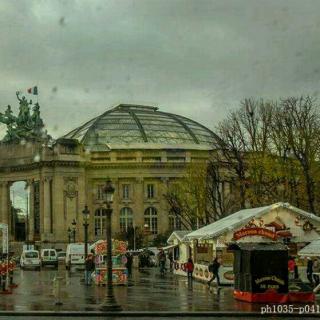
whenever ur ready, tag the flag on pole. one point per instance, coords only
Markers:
(33, 90)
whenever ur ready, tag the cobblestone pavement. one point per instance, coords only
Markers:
(147, 291)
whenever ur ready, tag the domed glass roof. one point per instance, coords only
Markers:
(134, 126)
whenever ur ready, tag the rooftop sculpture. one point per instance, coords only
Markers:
(25, 126)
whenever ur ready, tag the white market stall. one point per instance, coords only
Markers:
(181, 250)
(277, 222)
(311, 250)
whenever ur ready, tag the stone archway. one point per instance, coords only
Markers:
(19, 210)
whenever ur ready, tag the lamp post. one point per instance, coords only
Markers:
(74, 225)
(86, 214)
(134, 237)
(69, 235)
(110, 303)
(146, 233)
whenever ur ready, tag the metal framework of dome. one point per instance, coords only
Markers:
(136, 126)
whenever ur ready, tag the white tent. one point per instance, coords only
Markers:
(311, 250)
(242, 217)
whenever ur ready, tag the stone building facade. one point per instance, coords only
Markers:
(142, 150)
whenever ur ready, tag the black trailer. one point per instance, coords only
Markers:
(261, 271)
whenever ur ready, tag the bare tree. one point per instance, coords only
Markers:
(232, 146)
(302, 131)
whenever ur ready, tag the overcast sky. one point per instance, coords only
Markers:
(194, 58)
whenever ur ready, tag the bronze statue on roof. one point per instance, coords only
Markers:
(25, 126)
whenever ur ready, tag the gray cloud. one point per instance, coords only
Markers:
(195, 58)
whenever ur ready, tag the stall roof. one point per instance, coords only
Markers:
(248, 246)
(170, 247)
(236, 219)
(312, 249)
(178, 234)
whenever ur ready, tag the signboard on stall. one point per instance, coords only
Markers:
(248, 232)
(202, 249)
(119, 276)
(118, 247)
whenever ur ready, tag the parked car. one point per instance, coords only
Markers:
(30, 259)
(61, 256)
(75, 255)
(49, 257)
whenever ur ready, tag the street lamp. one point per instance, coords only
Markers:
(110, 303)
(69, 234)
(146, 233)
(74, 225)
(86, 214)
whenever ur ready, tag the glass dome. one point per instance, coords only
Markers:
(135, 126)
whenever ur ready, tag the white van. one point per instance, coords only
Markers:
(75, 255)
(30, 259)
(49, 257)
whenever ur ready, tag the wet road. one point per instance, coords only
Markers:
(147, 291)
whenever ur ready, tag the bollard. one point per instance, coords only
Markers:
(57, 290)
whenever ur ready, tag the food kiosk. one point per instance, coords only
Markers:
(119, 270)
(261, 274)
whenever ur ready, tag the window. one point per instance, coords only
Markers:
(174, 222)
(125, 191)
(150, 191)
(100, 192)
(151, 219)
(32, 254)
(100, 222)
(126, 219)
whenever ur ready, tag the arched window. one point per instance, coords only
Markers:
(151, 219)
(126, 219)
(174, 222)
(100, 222)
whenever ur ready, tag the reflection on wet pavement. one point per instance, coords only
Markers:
(146, 291)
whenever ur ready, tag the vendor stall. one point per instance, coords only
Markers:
(279, 222)
(311, 250)
(119, 270)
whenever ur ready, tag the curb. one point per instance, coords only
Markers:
(153, 314)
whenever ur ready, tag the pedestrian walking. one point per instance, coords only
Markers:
(291, 265)
(316, 269)
(214, 269)
(89, 268)
(189, 268)
(310, 270)
(129, 263)
(170, 256)
(162, 261)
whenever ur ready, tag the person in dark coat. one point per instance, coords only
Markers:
(310, 270)
(214, 269)
(89, 268)
(170, 256)
(129, 263)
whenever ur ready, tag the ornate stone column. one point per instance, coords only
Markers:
(47, 208)
(4, 202)
(138, 194)
(30, 222)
